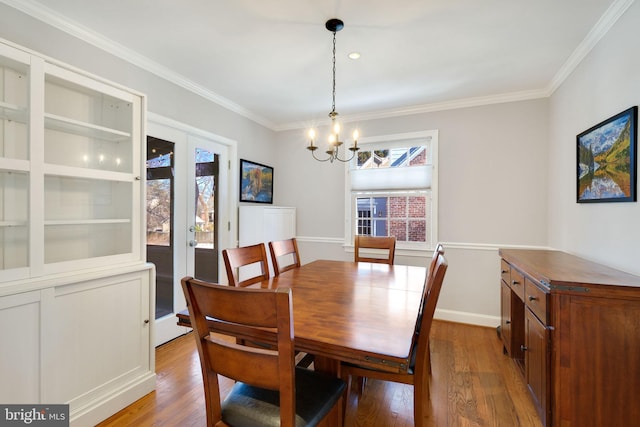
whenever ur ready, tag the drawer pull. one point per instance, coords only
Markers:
(523, 348)
(515, 282)
(532, 298)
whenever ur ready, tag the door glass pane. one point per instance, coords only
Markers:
(206, 258)
(160, 189)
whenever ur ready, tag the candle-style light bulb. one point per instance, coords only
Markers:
(336, 128)
(312, 136)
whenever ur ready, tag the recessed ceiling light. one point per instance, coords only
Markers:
(354, 55)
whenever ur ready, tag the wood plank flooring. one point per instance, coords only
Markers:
(472, 384)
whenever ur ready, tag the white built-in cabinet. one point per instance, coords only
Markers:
(75, 291)
(264, 224)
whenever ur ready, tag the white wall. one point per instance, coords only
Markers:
(492, 193)
(605, 83)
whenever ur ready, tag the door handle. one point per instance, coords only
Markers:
(192, 228)
(193, 243)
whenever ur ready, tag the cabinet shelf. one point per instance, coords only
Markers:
(14, 165)
(7, 224)
(78, 127)
(74, 172)
(88, 221)
(13, 112)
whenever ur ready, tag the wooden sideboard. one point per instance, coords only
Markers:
(573, 328)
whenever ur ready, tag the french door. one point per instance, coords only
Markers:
(188, 207)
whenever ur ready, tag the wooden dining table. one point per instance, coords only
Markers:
(362, 313)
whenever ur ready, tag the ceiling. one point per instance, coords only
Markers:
(270, 60)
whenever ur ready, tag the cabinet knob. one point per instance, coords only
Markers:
(515, 282)
(503, 271)
(146, 321)
(508, 322)
(532, 298)
(523, 348)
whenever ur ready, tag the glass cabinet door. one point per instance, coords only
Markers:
(14, 160)
(89, 164)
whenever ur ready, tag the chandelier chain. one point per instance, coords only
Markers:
(333, 105)
(333, 152)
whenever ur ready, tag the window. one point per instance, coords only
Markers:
(392, 189)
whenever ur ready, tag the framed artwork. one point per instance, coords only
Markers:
(256, 182)
(606, 159)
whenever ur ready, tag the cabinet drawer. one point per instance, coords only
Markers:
(517, 283)
(536, 300)
(505, 272)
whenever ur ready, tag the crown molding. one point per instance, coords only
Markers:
(599, 30)
(429, 108)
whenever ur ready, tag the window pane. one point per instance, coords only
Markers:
(417, 206)
(398, 228)
(398, 207)
(379, 207)
(418, 156)
(363, 156)
(417, 230)
(379, 228)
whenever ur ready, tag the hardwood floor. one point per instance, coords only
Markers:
(472, 384)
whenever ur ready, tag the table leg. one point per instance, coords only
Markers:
(330, 366)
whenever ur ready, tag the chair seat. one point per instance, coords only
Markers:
(250, 406)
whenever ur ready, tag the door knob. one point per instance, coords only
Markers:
(192, 228)
(193, 243)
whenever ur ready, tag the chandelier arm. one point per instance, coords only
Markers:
(320, 160)
(346, 160)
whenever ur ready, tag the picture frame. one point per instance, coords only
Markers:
(256, 182)
(606, 160)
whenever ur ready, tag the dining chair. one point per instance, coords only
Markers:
(417, 371)
(269, 390)
(439, 250)
(246, 256)
(283, 251)
(373, 242)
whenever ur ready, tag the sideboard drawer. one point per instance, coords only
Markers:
(517, 283)
(505, 272)
(536, 300)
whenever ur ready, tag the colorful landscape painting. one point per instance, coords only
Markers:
(256, 182)
(606, 160)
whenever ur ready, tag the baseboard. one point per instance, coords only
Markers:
(468, 318)
(99, 410)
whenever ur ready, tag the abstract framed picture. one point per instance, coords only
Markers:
(606, 159)
(256, 182)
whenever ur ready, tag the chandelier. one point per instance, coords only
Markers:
(334, 25)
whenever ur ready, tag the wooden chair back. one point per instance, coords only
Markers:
(282, 249)
(234, 258)
(249, 311)
(423, 328)
(417, 372)
(371, 242)
(428, 281)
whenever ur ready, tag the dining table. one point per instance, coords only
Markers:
(356, 312)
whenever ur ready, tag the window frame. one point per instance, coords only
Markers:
(393, 141)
